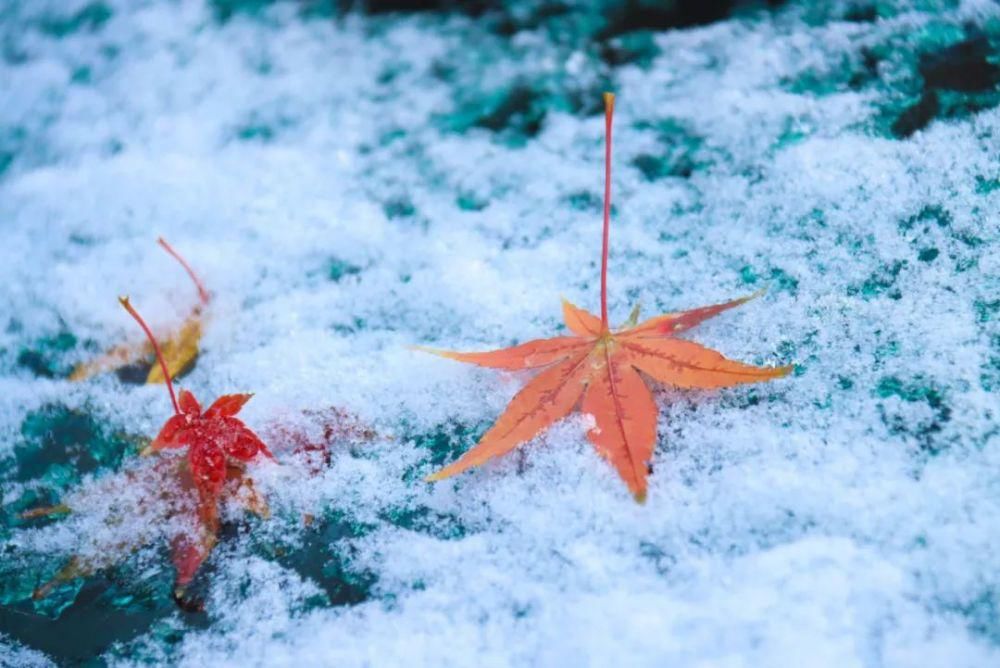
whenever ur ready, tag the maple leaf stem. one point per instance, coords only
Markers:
(609, 112)
(202, 292)
(156, 348)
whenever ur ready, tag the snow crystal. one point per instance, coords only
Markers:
(350, 186)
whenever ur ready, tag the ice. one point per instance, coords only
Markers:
(352, 185)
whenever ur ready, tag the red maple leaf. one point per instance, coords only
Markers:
(218, 443)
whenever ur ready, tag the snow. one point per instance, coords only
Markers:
(848, 515)
(13, 654)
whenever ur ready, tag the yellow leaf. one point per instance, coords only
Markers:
(179, 350)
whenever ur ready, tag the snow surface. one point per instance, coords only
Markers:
(848, 515)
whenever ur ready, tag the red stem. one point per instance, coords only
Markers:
(202, 292)
(609, 112)
(156, 348)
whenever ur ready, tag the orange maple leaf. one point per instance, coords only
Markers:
(600, 371)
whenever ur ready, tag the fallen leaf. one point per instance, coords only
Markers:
(177, 507)
(179, 349)
(182, 495)
(170, 511)
(600, 372)
(218, 443)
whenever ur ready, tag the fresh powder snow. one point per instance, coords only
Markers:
(351, 182)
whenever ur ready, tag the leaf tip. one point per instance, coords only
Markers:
(782, 371)
(760, 292)
(433, 351)
(446, 472)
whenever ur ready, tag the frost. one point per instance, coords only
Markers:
(350, 185)
(12, 654)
